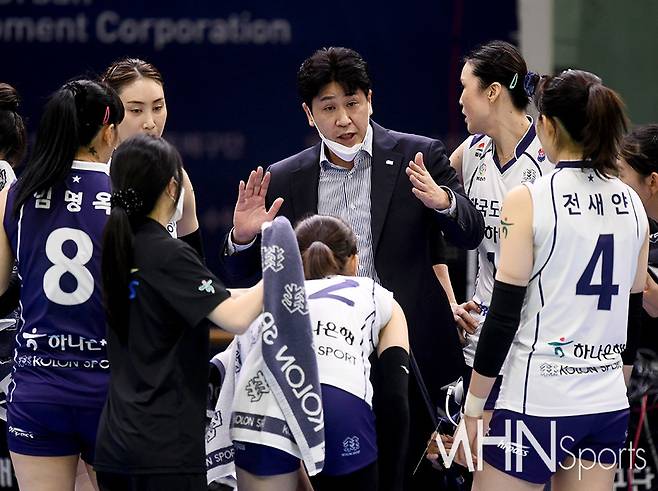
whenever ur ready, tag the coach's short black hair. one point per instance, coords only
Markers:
(342, 65)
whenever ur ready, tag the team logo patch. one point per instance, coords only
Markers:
(351, 446)
(272, 257)
(206, 286)
(549, 370)
(294, 299)
(529, 175)
(215, 423)
(257, 386)
(479, 150)
(541, 156)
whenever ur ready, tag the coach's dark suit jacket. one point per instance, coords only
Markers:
(404, 233)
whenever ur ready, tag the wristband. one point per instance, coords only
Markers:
(474, 406)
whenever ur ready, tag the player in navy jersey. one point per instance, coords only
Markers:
(638, 165)
(141, 88)
(53, 221)
(351, 318)
(158, 294)
(567, 300)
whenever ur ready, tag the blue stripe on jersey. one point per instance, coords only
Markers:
(476, 138)
(573, 164)
(554, 227)
(637, 222)
(534, 344)
(366, 379)
(519, 150)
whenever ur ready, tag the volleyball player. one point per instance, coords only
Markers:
(351, 318)
(13, 142)
(567, 300)
(141, 88)
(638, 164)
(503, 152)
(53, 219)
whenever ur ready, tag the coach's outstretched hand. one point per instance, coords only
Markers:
(424, 186)
(250, 211)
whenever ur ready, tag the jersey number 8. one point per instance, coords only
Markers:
(73, 265)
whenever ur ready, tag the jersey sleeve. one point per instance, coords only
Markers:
(188, 286)
(467, 167)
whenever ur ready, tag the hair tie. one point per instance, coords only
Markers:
(530, 83)
(106, 118)
(514, 81)
(128, 199)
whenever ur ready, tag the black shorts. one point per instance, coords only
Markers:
(108, 481)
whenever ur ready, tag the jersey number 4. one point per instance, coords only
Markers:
(62, 264)
(605, 250)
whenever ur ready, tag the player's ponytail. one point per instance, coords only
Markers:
(13, 138)
(605, 128)
(142, 167)
(319, 261)
(326, 244)
(591, 114)
(71, 119)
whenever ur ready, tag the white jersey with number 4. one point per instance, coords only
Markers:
(486, 185)
(566, 357)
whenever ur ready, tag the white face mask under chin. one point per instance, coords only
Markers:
(178, 212)
(345, 153)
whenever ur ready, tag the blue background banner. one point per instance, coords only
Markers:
(230, 69)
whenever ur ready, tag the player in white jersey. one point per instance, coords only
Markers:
(567, 300)
(503, 152)
(351, 318)
(141, 89)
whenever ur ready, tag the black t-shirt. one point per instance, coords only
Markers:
(153, 420)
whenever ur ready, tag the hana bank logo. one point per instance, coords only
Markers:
(557, 346)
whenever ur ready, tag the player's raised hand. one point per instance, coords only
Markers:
(250, 211)
(424, 187)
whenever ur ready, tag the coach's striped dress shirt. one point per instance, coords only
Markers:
(345, 193)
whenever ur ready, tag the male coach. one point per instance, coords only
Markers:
(397, 191)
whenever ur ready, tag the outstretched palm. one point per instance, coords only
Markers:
(250, 211)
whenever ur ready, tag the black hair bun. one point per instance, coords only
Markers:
(530, 83)
(9, 99)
